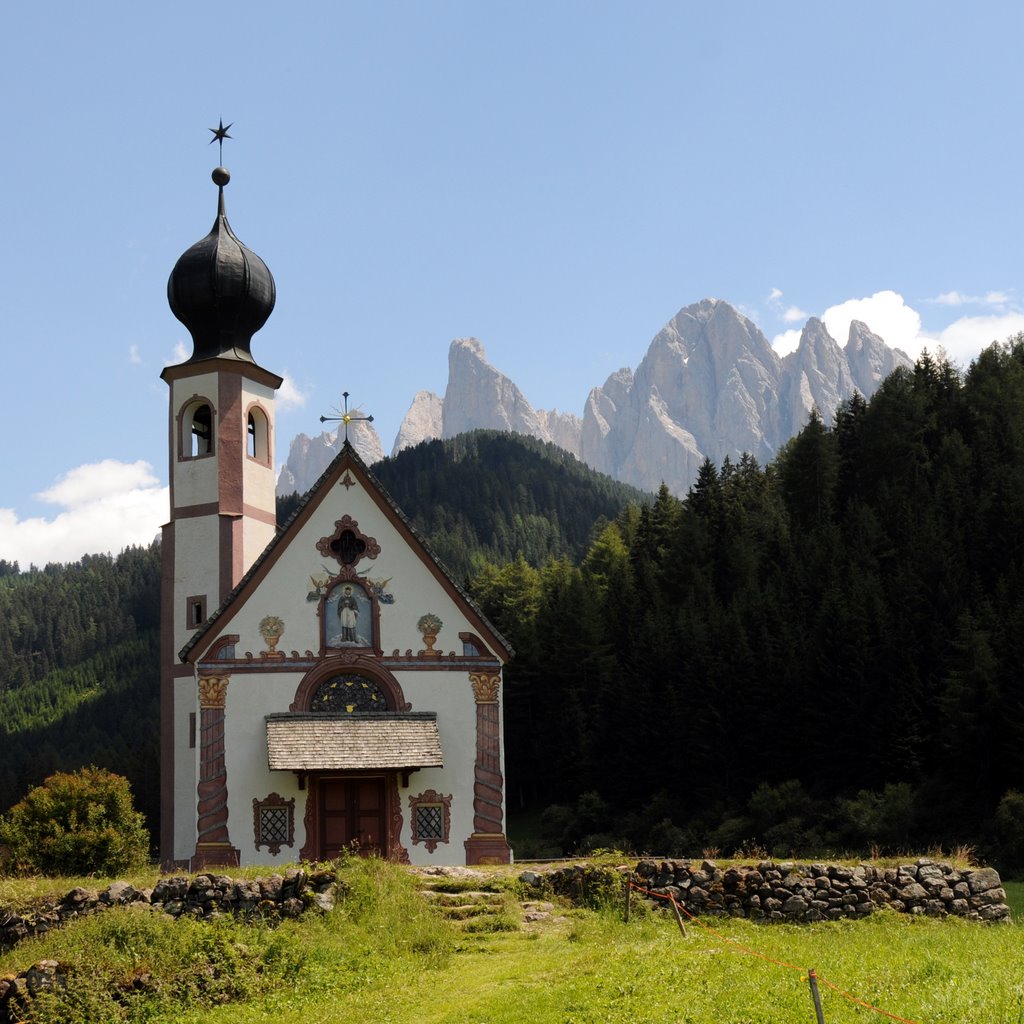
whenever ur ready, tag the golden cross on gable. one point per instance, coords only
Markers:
(344, 416)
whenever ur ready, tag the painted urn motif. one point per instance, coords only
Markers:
(271, 628)
(429, 626)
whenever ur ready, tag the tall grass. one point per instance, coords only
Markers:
(133, 964)
(383, 955)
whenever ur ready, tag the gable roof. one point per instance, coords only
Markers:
(347, 460)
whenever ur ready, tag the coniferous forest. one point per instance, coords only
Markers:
(79, 672)
(824, 653)
(827, 652)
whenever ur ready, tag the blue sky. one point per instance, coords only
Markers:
(556, 179)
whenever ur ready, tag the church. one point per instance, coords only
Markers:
(325, 684)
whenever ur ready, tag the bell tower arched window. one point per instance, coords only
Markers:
(257, 444)
(196, 429)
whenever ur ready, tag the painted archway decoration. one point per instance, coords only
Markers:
(363, 668)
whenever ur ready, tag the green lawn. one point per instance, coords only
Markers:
(382, 956)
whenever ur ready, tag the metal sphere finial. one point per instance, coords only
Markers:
(221, 176)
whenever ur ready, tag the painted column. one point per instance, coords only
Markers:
(487, 844)
(213, 845)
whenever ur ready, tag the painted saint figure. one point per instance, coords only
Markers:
(348, 615)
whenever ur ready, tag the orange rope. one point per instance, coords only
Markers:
(717, 934)
(860, 1002)
(762, 956)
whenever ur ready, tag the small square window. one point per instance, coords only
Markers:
(195, 611)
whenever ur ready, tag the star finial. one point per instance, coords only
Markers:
(220, 133)
(344, 416)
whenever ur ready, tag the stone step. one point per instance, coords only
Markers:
(451, 898)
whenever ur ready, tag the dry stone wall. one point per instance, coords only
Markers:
(204, 896)
(277, 896)
(787, 891)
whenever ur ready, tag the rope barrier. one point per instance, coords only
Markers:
(805, 974)
(860, 1002)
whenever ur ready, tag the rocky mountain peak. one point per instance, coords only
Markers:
(710, 385)
(815, 376)
(423, 422)
(308, 457)
(870, 359)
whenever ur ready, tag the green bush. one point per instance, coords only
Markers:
(581, 827)
(885, 819)
(1008, 826)
(76, 823)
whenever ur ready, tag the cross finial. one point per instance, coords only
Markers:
(344, 416)
(220, 133)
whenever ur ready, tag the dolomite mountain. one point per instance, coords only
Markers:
(308, 457)
(709, 386)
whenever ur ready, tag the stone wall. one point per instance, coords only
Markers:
(787, 891)
(204, 896)
(277, 896)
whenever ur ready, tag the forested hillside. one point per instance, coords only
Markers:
(489, 496)
(79, 675)
(60, 615)
(824, 652)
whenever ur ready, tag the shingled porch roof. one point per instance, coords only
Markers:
(335, 741)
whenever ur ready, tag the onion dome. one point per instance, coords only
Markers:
(220, 290)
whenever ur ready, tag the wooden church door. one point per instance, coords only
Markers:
(353, 815)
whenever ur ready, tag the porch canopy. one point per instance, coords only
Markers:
(336, 741)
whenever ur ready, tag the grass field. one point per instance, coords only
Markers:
(384, 956)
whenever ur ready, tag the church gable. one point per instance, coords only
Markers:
(348, 574)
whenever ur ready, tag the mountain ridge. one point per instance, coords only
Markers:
(709, 386)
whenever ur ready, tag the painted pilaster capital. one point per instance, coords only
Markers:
(485, 687)
(213, 691)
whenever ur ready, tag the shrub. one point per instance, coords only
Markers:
(669, 840)
(885, 819)
(1008, 826)
(76, 823)
(570, 827)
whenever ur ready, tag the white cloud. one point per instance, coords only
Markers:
(887, 315)
(133, 354)
(775, 295)
(794, 315)
(884, 312)
(98, 480)
(786, 342)
(107, 505)
(963, 339)
(178, 355)
(955, 298)
(289, 396)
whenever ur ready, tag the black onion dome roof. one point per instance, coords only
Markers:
(220, 290)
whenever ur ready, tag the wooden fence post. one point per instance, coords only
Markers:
(812, 980)
(679, 917)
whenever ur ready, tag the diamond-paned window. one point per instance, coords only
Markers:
(429, 821)
(274, 822)
(431, 818)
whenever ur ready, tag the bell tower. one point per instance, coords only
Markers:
(221, 472)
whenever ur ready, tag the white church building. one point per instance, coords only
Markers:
(325, 684)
